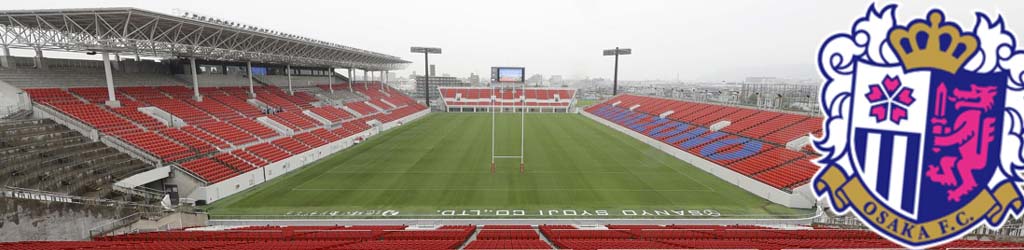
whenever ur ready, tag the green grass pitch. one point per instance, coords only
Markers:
(440, 165)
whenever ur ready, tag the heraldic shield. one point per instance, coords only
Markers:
(922, 138)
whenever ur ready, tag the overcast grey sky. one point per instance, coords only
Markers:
(696, 40)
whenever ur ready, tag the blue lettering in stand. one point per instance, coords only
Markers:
(634, 119)
(644, 126)
(747, 148)
(657, 132)
(686, 136)
(697, 141)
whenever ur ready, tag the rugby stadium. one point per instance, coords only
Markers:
(194, 132)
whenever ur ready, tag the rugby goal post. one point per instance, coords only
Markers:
(498, 88)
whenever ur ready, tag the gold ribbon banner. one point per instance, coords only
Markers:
(850, 192)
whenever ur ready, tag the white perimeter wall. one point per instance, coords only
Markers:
(250, 179)
(798, 199)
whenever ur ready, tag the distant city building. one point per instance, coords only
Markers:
(556, 80)
(435, 81)
(536, 79)
(761, 80)
(433, 70)
(474, 79)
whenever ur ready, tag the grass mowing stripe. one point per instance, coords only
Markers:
(442, 162)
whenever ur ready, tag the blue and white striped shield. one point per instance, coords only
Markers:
(893, 172)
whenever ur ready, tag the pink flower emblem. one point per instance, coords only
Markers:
(890, 100)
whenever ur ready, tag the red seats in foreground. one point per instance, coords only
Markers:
(453, 237)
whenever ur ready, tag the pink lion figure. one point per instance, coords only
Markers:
(971, 133)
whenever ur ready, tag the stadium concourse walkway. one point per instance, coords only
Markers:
(497, 237)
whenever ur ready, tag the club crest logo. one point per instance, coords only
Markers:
(922, 126)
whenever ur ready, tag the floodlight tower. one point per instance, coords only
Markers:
(426, 69)
(616, 52)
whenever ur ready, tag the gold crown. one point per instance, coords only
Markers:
(932, 44)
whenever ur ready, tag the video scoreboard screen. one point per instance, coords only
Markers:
(508, 74)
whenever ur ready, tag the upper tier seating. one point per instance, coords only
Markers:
(196, 143)
(221, 138)
(95, 95)
(332, 113)
(35, 78)
(228, 132)
(374, 93)
(217, 109)
(131, 111)
(340, 96)
(295, 120)
(279, 99)
(218, 80)
(254, 128)
(141, 92)
(362, 108)
(181, 109)
(754, 144)
(238, 104)
(160, 146)
(51, 96)
(282, 80)
(97, 117)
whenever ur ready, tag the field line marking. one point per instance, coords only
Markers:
(477, 172)
(659, 160)
(501, 189)
(388, 147)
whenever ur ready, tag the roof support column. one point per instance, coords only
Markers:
(111, 98)
(117, 61)
(384, 78)
(6, 60)
(39, 60)
(252, 90)
(351, 78)
(289, 70)
(364, 76)
(330, 81)
(195, 80)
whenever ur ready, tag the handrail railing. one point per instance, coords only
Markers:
(123, 146)
(60, 118)
(114, 225)
(140, 191)
(9, 109)
(92, 133)
(189, 173)
(40, 195)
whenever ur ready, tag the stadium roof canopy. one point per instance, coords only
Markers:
(147, 33)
